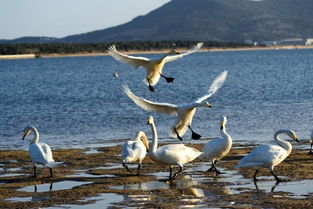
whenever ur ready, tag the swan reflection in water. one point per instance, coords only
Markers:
(272, 189)
(50, 187)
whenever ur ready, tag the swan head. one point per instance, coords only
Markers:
(173, 52)
(223, 122)
(27, 131)
(150, 120)
(293, 135)
(207, 104)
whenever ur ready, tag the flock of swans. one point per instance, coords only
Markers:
(265, 156)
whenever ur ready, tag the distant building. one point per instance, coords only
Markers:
(292, 41)
(309, 42)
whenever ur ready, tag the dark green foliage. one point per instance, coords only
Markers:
(62, 48)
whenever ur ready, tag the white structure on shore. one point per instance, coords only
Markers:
(309, 42)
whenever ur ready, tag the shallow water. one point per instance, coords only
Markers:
(62, 185)
(76, 102)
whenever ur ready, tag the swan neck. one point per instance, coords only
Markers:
(286, 145)
(154, 139)
(225, 135)
(36, 135)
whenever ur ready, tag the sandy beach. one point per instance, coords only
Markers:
(97, 179)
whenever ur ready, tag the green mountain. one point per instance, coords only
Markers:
(217, 20)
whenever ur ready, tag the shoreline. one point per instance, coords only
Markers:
(222, 49)
(84, 177)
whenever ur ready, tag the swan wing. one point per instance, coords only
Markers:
(263, 156)
(132, 60)
(145, 104)
(47, 150)
(131, 151)
(177, 154)
(190, 51)
(213, 148)
(37, 154)
(215, 86)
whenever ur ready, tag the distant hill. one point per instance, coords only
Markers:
(216, 20)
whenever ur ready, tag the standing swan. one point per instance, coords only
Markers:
(40, 153)
(311, 142)
(184, 112)
(171, 154)
(154, 67)
(133, 151)
(268, 156)
(218, 148)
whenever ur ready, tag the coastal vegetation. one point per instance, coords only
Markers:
(73, 48)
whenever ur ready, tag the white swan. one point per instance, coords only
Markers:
(40, 153)
(171, 154)
(135, 151)
(268, 156)
(154, 67)
(218, 148)
(184, 112)
(311, 144)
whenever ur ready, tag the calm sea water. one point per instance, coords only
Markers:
(76, 101)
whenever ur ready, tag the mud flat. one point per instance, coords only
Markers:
(96, 179)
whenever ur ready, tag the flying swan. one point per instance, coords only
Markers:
(268, 156)
(154, 67)
(135, 151)
(171, 154)
(40, 153)
(184, 112)
(218, 148)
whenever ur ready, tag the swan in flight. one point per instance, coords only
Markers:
(135, 151)
(184, 112)
(311, 142)
(40, 153)
(153, 67)
(171, 154)
(268, 156)
(218, 148)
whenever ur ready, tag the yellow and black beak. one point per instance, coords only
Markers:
(24, 135)
(222, 125)
(294, 137)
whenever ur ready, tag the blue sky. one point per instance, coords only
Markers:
(59, 18)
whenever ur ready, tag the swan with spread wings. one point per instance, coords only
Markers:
(154, 67)
(184, 112)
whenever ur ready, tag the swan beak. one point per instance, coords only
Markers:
(24, 136)
(295, 138)
(222, 126)
(176, 52)
(208, 105)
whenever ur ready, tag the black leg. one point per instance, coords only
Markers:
(50, 188)
(168, 79)
(254, 177)
(35, 174)
(35, 189)
(311, 152)
(180, 170)
(126, 167)
(170, 177)
(51, 173)
(179, 137)
(138, 169)
(151, 88)
(194, 135)
(277, 179)
(213, 168)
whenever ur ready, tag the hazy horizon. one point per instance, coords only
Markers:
(64, 18)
